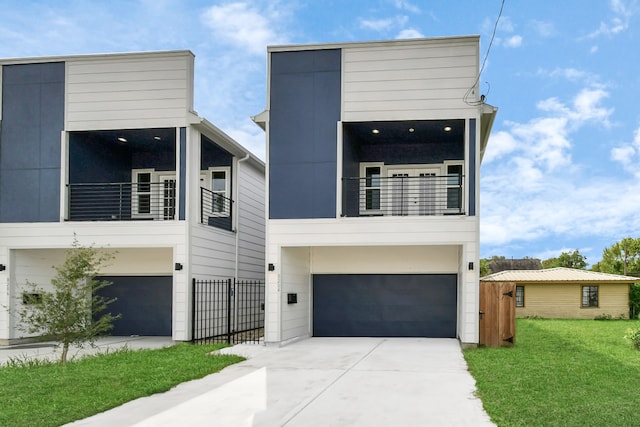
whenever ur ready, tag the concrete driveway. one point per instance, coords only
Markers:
(320, 382)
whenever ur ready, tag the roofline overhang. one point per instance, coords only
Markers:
(213, 132)
(487, 117)
(261, 119)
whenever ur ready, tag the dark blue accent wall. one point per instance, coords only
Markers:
(212, 155)
(93, 160)
(183, 173)
(472, 167)
(304, 112)
(32, 122)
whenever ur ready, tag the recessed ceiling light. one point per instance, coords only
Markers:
(122, 139)
(411, 130)
(375, 131)
(447, 128)
(157, 138)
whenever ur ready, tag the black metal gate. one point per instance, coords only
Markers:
(230, 311)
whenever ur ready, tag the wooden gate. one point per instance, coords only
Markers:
(497, 314)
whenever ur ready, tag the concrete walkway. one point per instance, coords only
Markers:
(320, 382)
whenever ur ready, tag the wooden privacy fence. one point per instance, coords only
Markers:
(497, 314)
(229, 310)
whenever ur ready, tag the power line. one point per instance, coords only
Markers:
(484, 62)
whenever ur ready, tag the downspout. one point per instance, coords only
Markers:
(244, 159)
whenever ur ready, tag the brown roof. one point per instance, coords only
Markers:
(559, 274)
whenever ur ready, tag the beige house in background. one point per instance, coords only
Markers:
(567, 293)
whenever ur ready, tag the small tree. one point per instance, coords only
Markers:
(73, 312)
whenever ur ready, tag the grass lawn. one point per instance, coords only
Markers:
(51, 395)
(561, 373)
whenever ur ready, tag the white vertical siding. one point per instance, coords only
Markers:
(404, 81)
(296, 278)
(251, 222)
(129, 91)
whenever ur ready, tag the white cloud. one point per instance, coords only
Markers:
(383, 24)
(571, 74)
(530, 188)
(405, 5)
(628, 154)
(409, 33)
(618, 23)
(513, 41)
(544, 29)
(505, 24)
(244, 26)
(500, 144)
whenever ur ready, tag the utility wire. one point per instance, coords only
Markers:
(486, 56)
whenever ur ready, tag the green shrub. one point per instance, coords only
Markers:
(633, 336)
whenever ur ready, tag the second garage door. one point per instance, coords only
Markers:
(385, 305)
(143, 301)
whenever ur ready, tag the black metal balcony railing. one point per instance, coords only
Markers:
(215, 209)
(403, 195)
(125, 201)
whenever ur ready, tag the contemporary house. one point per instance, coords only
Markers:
(567, 293)
(373, 158)
(109, 148)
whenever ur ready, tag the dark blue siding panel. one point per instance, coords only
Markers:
(304, 112)
(33, 119)
(183, 173)
(472, 167)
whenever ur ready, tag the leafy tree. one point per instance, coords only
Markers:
(484, 267)
(622, 257)
(73, 312)
(573, 259)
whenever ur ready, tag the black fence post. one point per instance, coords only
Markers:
(229, 295)
(193, 309)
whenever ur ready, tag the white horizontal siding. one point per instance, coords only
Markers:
(376, 231)
(385, 260)
(131, 91)
(251, 222)
(212, 253)
(417, 81)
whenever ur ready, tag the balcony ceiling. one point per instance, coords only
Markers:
(137, 139)
(424, 131)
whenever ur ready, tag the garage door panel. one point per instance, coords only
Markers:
(385, 305)
(145, 303)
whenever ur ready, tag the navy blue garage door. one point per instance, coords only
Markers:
(145, 304)
(384, 305)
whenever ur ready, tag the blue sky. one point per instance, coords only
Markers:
(561, 169)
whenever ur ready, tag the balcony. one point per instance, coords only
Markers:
(215, 209)
(125, 201)
(426, 195)
(142, 201)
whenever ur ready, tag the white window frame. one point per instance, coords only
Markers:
(156, 193)
(227, 187)
(462, 208)
(362, 187)
(135, 194)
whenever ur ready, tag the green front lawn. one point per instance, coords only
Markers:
(561, 373)
(51, 395)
